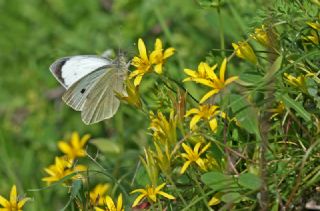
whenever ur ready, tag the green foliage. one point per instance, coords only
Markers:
(252, 148)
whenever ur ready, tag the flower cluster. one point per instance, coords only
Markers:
(154, 62)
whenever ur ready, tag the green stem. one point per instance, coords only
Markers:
(222, 45)
(176, 190)
(167, 33)
(204, 197)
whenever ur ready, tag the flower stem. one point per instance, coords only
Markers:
(222, 45)
(205, 201)
(176, 190)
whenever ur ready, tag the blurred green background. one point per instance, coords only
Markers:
(34, 33)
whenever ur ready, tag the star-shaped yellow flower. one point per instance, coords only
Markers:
(150, 192)
(110, 205)
(98, 193)
(143, 63)
(193, 156)
(15, 203)
(61, 168)
(206, 76)
(206, 112)
(74, 148)
(203, 72)
(158, 56)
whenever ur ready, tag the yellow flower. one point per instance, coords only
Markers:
(74, 148)
(132, 96)
(261, 35)
(207, 77)
(150, 192)
(193, 156)
(158, 57)
(15, 203)
(244, 51)
(278, 110)
(313, 37)
(203, 72)
(206, 112)
(143, 63)
(164, 130)
(111, 205)
(62, 168)
(314, 33)
(299, 82)
(314, 25)
(97, 194)
(216, 199)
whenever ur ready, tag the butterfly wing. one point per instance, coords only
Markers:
(76, 95)
(101, 102)
(69, 70)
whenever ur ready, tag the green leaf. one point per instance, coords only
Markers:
(76, 186)
(231, 197)
(245, 113)
(106, 145)
(297, 106)
(219, 181)
(273, 69)
(249, 181)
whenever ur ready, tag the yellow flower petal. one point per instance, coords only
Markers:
(192, 111)
(208, 95)
(223, 69)
(119, 202)
(84, 139)
(140, 190)
(194, 121)
(190, 72)
(138, 199)
(109, 203)
(215, 199)
(187, 149)
(168, 196)
(185, 166)
(22, 202)
(137, 80)
(142, 49)
(13, 195)
(213, 125)
(4, 202)
(158, 68)
(196, 148)
(168, 52)
(158, 44)
(64, 147)
(160, 186)
(230, 80)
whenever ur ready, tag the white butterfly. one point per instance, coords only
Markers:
(91, 83)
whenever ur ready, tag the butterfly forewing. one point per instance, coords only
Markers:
(101, 102)
(69, 70)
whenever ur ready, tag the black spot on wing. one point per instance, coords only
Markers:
(82, 91)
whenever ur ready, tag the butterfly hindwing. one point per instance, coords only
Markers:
(76, 95)
(101, 102)
(69, 70)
